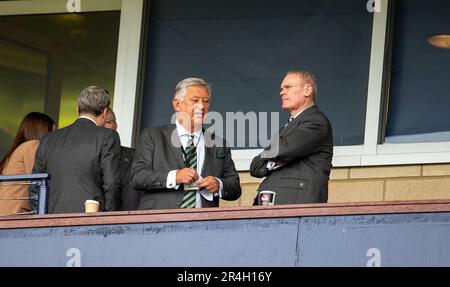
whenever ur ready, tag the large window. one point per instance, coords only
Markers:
(420, 87)
(47, 59)
(23, 85)
(244, 48)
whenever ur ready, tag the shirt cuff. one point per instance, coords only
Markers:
(270, 165)
(171, 181)
(207, 195)
(210, 196)
(220, 192)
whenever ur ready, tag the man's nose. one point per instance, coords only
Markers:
(200, 106)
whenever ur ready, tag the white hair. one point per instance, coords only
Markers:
(180, 89)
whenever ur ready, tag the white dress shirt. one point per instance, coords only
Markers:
(199, 142)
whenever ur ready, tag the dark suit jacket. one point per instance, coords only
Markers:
(130, 196)
(156, 156)
(306, 146)
(83, 163)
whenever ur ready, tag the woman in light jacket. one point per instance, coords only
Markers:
(20, 159)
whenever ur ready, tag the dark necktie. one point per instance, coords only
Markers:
(290, 120)
(190, 161)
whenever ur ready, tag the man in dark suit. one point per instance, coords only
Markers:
(181, 166)
(129, 197)
(82, 159)
(297, 164)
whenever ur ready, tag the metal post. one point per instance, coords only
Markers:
(43, 197)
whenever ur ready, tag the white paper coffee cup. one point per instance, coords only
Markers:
(91, 205)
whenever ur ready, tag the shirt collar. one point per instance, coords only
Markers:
(293, 118)
(88, 118)
(183, 132)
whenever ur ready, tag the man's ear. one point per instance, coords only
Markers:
(308, 90)
(104, 114)
(176, 105)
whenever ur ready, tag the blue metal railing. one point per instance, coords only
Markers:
(38, 179)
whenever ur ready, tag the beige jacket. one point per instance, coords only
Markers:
(20, 162)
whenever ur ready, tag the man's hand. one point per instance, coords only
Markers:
(186, 175)
(210, 183)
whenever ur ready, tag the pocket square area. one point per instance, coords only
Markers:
(220, 155)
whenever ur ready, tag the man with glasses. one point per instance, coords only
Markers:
(128, 197)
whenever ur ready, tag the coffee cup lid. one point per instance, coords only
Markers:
(91, 201)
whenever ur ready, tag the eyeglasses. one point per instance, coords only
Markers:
(110, 122)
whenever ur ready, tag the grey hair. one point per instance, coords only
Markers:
(309, 79)
(180, 89)
(93, 100)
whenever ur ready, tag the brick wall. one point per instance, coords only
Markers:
(358, 184)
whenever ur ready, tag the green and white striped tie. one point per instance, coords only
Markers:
(191, 162)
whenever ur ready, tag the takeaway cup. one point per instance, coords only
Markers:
(91, 205)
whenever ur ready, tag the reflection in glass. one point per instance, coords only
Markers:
(46, 60)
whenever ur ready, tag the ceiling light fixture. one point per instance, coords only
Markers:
(441, 41)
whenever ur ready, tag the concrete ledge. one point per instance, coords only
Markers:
(339, 173)
(418, 189)
(385, 172)
(436, 170)
(355, 191)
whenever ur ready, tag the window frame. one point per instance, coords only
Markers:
(377, 152)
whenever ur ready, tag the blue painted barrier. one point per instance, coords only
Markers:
(386, 239)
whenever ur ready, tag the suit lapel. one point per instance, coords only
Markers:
(176, 146)
(294, 123)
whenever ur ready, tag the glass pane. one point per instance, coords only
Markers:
(59, 55)
(244, 48)
(419, 97)
(23, 86)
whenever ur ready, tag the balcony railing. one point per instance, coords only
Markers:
(39, 179)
